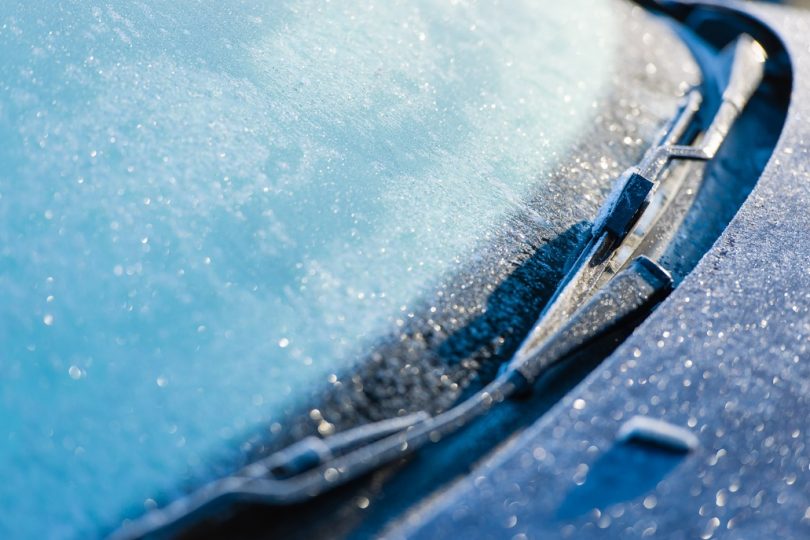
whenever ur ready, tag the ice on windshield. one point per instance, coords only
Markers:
(204, 213)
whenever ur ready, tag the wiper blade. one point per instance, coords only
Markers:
(611, 281)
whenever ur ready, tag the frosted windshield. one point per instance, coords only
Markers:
(205, 213)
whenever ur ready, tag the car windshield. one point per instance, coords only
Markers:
(209, 215)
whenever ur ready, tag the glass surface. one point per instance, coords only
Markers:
(206, 209)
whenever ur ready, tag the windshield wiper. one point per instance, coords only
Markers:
(611, 281)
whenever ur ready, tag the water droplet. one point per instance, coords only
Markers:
(331, 474)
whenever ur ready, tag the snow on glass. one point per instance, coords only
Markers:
(206, 212)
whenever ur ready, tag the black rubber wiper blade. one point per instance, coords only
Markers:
(612, 281)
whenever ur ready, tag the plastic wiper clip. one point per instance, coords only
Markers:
(312, 452)
(624, 205)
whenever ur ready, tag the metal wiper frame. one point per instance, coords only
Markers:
(611, 282)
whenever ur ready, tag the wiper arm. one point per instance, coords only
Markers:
(611, 281)
(625, 218)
